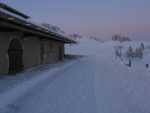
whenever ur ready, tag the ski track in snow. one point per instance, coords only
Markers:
(95, 84)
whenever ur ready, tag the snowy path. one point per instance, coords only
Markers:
(70, 90)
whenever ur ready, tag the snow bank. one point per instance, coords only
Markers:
(8, 97)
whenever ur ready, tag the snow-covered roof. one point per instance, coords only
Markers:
(15, 16)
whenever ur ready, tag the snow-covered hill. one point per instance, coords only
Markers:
(88, 46)
(85, 46)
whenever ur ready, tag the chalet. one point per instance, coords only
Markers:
(24, 44)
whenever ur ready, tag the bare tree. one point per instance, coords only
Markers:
(139, 53)
(130, 53)
(142, 46)
(120, 38)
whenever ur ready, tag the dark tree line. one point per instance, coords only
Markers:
(120, 38)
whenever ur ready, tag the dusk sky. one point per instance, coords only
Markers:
(99, 18)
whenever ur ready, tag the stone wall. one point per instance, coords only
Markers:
(31, 50)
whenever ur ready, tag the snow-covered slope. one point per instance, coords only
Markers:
(88, 46)
(85, 46)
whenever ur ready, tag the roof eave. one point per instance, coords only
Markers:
(8, 8)
(14, 25)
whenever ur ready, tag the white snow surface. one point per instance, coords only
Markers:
(99, 83)
(85, 46)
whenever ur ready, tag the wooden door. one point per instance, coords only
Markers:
(15, 53)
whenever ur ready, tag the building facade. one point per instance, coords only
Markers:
(24, 45)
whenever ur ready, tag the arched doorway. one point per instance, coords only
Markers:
(15, 53)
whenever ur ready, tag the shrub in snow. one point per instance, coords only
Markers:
(95, 38)
(120, 38)
(147, 65)
(116, 38)
(139, 53)
(142, 46)
(136, 52)
(117, 53)
(129, 62)
(118, 50)
(74, 35)
(130, 53)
